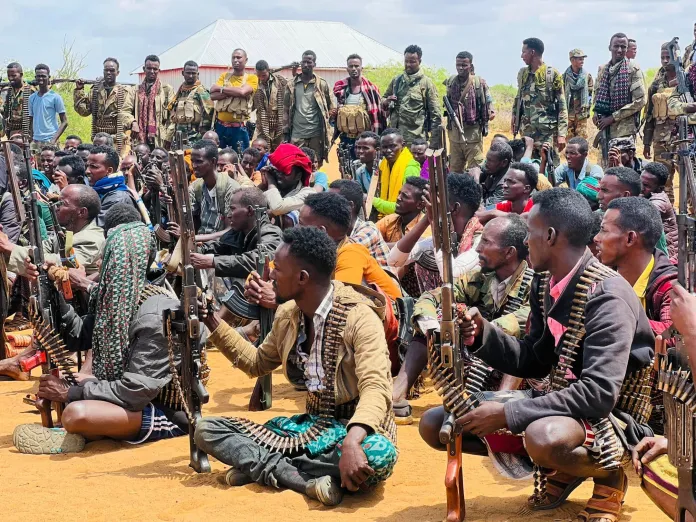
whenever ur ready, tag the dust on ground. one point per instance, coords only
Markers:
(115, 481)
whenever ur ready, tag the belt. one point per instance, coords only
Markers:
(230, 124)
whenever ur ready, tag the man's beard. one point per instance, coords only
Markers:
(487, 269)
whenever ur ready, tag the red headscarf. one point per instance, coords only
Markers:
(287, 156)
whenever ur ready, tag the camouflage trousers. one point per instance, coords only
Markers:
(578, 127)
(465, 156)
(539, 142)
(660, 150)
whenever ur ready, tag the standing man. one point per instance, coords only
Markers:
(473, 106)
(579, 86)
(690, 52)
(540, 109)
(269, 103)
(660, 122)
(232, 95)
(44, 106)
(632, 51)
(110, 106)
(412, 101)
(151, 123)
(620, 93)
(14, 104)
(308, 107)
(191, 108)
(359, 105)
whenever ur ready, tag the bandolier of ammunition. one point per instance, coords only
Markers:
(22, 125)
(112, 125)
(678, 384)
(479, 376)
(634, 397)
(322, 404)
(171, 395)
(49, 341)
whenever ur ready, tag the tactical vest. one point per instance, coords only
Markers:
(187, 110)
(353, 120)
(240, 108)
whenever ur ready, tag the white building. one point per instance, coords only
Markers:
(278, 42)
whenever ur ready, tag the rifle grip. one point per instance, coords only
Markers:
(66, 287)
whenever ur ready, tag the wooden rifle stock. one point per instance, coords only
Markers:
(13, 183)
(373, 188)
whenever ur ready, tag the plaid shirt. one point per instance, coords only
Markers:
(311, 364)
(366, 233)
(370, 93)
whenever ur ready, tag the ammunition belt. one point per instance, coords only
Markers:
(515, 302)
(322, 404)
(112, 125)
(50, 341)
(13, 124)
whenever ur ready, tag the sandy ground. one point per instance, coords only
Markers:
(113, 480)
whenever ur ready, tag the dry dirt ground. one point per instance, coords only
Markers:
(114, 481)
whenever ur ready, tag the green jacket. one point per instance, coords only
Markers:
(540, 104)
(474, 290)
(417, 104)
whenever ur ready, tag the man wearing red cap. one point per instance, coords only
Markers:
(286, 179)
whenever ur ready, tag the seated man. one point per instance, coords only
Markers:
(104, 177)
(409, 208)
(236, 253)
(653, 180)
(367, 148)
(518, 185)
(398, 165)
(622, 152)
(578, 166)
(122, 386)
(362, 232)
(286, 179)
(627, 242)
(498, 160)
(464, 199)
(70, 171)
(499, 287)
(603, 334)
(329, 338)
(319, 181)
(249, 162)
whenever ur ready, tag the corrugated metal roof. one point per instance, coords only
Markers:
(279, 42)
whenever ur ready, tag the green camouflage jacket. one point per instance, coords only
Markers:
(658, 124)
(627, 118)
(474, 289)
(543, 113)
(417, 97)
(11, 106)
(191, 113)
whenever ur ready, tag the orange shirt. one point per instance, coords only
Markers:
(355, 265)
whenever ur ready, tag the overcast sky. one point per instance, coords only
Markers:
(490, 29)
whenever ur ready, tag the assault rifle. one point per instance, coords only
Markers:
(374, 188)
(183, 324)
(680, 417)
(56, 81)
(602, 141)
(262, 396)
(448, 336)
(453, 116)
(44, 301)
(346, 162)
(13, 183)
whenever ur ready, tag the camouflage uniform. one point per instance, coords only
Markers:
(12, 107)
(627, 118)
(659, 124)
(106, 114)
(417, 99)
(676, 107)
(578, 115)
(689, 53)
(191, 113)
(466, 152)
(474, 289)
(541, 107)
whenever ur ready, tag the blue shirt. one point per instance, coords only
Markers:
(322, 179)
(564, 174)
(45, 110)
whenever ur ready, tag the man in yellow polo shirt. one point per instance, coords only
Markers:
(233, 94)
(627, 242)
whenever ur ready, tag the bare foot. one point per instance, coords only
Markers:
(10, 368)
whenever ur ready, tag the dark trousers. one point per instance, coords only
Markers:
(233, 137)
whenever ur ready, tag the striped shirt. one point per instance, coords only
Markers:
(311, 363)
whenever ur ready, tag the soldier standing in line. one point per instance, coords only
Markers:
(14, 104)
(411, 101)
(540, 110)
(579, 86)
(191, 109)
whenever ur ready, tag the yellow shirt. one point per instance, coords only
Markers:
(236, 81)
(641, 286)
(355, 265)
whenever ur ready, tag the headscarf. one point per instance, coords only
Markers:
(589, 187)
(112, 183)
(147, 120)
(577, 84)
(123, 277)
(287, 156)
(610, 98)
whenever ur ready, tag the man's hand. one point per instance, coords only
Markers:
(32, 271)
(333, 113)
(79, 84)
(6, 246)
(646, 451)
(202, 261)
(52, 388)
(428, 205)
(605, 122)
(353, 464)
(60, 179)
(484, 420)
(135, 130)
(491, 114)
(545, 148)
(646, 152)
(471, 326)
(560, 143)
(79, 279)
(173, 229)
(614, 157)
(260, 292)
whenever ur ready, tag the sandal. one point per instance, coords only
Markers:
(558, 486)
(606, 501)
(403, 413)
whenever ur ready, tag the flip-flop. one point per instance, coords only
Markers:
(561, 494)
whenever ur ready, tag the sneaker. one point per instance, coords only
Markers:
(235, 477)
(34, 439)
(325, 490)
